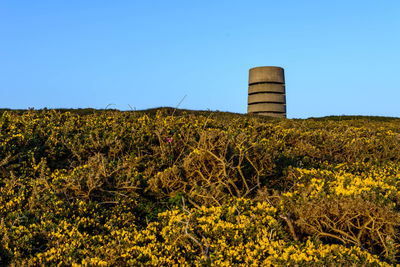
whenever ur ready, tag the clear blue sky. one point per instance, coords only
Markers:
(340, 57)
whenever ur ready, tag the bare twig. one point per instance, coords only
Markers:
(291, 228)
(204, 251)
(177, 106)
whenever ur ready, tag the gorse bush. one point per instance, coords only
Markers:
(167, 187)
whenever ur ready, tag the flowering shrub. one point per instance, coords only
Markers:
(184, 188)
(357, 209)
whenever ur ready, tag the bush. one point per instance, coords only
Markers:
(107, 187)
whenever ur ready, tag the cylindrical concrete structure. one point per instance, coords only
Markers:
(267, 92)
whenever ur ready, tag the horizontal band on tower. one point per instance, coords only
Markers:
(266, 87)
(266, 98)
(266, 107)
(265, 102)
(265, 82)
(271, 114)
(266, 92)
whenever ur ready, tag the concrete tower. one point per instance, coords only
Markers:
(267, 92)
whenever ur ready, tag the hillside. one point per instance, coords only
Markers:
(164, 187)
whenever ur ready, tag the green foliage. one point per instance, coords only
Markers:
(166, 186)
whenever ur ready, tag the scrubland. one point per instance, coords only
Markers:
(173, 187)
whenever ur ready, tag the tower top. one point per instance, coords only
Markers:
(266, 74)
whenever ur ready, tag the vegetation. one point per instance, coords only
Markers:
(175, 187)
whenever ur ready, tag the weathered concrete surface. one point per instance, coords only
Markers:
(266, 74)
(266, 107)
(266, 97)
(266, 92)
(267, 87)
